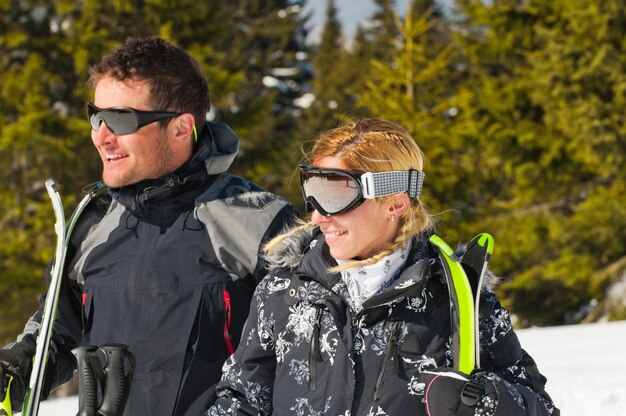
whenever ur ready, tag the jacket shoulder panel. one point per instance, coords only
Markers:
(239, 217)
(92, 231)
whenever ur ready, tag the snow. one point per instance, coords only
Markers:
(584, 365)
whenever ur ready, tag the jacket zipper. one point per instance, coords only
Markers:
(315, 347)
(314, 353)
(388, 350)
(227, 314)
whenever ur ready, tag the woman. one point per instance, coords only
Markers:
(354, 316)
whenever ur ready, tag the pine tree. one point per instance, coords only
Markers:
(332, 79)
(268, 47)
(413, 86)
(383, 30)
(541, 108)
(376, 40)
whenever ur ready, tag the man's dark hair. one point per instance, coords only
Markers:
(176, 82)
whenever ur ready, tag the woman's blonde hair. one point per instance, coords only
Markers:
(373, 145)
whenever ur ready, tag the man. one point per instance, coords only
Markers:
(165, 261)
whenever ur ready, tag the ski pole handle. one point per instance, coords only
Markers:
(119, 372)
(87, 384)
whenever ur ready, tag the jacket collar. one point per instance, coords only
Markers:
(308, 255)
(214, 153)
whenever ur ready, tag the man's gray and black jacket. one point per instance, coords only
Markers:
(167, 267)
(304, 351)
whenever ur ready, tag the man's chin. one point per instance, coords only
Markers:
(113, 181)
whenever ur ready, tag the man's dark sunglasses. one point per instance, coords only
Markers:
(124, 120)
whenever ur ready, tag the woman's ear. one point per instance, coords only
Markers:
(399, 203)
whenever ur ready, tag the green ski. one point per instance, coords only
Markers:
(464, 277)
(477, 254)
(5, 406)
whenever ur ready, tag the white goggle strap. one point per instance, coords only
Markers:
(392, 182)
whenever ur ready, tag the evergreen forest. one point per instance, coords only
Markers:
(518, 105)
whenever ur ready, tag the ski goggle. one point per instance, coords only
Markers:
(336, 191)
(124, 120)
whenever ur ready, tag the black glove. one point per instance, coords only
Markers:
(16, 362)
(448, 392)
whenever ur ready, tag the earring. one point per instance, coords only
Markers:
(393, 218)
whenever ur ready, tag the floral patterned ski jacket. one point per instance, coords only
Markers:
(305, 352)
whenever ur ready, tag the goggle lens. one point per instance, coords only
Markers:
(333, 192)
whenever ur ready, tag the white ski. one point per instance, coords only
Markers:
(33, 393)
(63, 231)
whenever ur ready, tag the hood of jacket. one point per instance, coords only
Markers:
(289, 253)
(307, 254)
(217, 147)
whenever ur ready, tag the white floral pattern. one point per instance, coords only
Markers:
(300, 370)
(303, 408)
(418, 304)
(378, 411)
(300, 323)
(496, 326)
(416, 387)
(277, 283)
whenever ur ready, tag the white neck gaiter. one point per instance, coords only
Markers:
(365, 281)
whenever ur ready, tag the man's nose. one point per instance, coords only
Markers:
(103, 136)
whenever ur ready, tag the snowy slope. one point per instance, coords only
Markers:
(585, 366)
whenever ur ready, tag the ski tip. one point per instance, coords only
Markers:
(441, 245)
(486, 240)
(51, 186)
